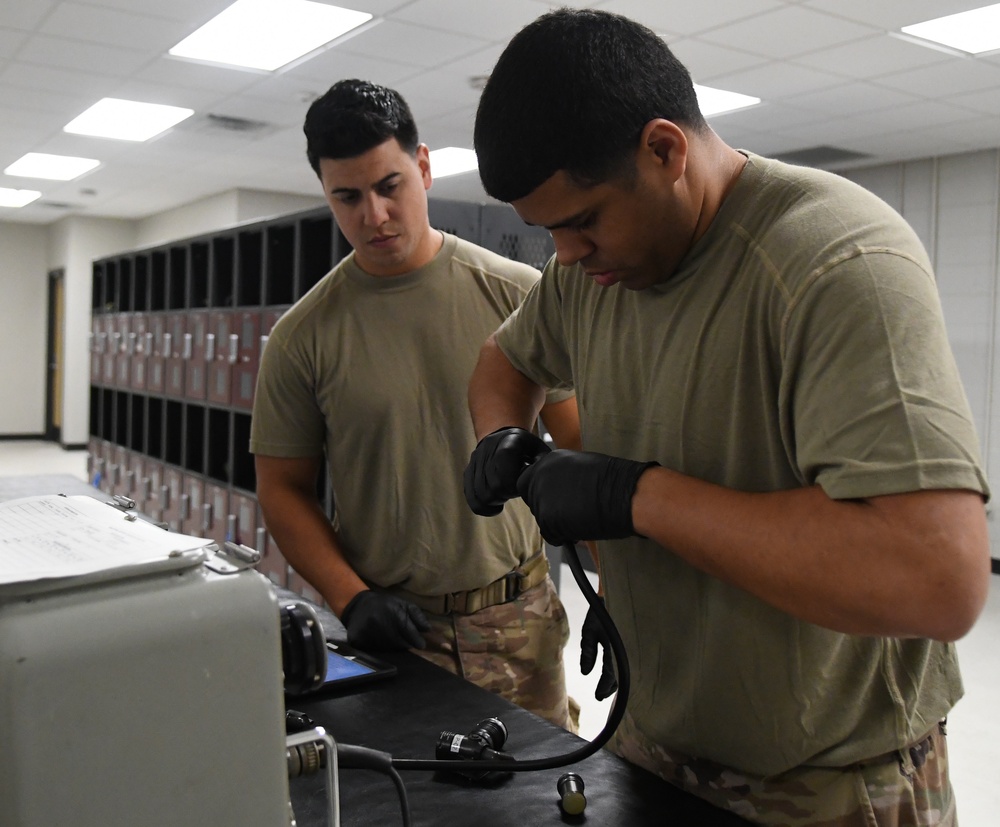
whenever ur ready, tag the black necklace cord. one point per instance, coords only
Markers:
(615, 715)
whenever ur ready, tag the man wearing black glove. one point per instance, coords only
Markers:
(377, 621)
(592, 635)
(788, 582)
(579, 495)
(365, 377)
(491, 476)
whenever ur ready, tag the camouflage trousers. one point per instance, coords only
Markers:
(906, 788)
(514, 649)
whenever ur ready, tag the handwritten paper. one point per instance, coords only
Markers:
(57, 536)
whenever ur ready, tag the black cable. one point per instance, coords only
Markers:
(588, 749)
(401, 791)
(350, 756)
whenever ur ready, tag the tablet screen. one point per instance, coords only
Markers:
(340, 666)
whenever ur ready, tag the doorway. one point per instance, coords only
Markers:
(55, 357)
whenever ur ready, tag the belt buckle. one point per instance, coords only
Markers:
(512, 585)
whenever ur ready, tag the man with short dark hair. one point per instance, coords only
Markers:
(781, 465)
(370, 369)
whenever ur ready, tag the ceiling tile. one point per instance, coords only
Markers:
(689, 18)
(415, 45)
(65, 53)
(706, 61)
(893, 14)
(786, 32)
(872, 56)
(113, 27)
(501, 20)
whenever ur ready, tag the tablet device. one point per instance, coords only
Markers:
(347, 668)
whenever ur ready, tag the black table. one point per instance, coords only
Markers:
(403, 716)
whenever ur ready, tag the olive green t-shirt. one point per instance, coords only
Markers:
(375, 372)
(799, 342)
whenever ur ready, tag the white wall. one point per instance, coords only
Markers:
(23, 335)
(953, 203)
(218, 211)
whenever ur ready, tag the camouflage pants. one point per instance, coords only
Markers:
(514, 649)
(908, 788)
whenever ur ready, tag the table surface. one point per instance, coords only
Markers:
(404, 715)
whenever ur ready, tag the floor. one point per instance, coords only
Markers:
(973, 726)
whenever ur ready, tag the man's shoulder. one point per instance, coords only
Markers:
(491, 265)
(311, 307)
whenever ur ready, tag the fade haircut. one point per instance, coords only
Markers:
(355, 116)
(572, 91)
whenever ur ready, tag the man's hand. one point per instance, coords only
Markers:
(593, 635)
(377, 621)
(491, 476)
(579, 495)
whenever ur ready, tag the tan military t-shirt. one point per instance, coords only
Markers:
(800, 342)
(375, 372)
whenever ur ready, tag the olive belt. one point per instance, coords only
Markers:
(502, 590)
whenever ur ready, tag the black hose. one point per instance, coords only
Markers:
(588, 749)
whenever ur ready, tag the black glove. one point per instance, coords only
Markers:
(490, 478)
(578, 495)
(377, 621)
(593, 635)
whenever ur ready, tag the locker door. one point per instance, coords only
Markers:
(171, 503)
(192, 502)
(123, 355)
(194, 351)
(157, 345)
(173, 345)
(223, 355)
(140, 351)
(214, 511)
(248, 327)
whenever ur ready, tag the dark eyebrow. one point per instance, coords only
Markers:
(566, 222)
(380, 183)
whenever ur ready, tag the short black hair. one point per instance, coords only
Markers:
(572, 91)
(354, 116)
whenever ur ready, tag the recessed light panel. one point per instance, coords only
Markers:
(126, 120)
(974, 31)
(452, 160)
(52, 167)
(17, 198)
(713, 101)
(267, 34)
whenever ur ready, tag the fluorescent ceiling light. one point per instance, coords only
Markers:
(126, 120)
(53, 167)
(452, 160)
(716, 101)
(17, 198)
(267, 34)
(974, 31)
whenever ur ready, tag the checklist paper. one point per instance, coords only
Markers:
(56, 536)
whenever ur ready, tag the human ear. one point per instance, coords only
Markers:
(665, 145)
(423, 157)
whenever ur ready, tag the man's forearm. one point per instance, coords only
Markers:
(906, 565)
(311, 546)
(500, 395)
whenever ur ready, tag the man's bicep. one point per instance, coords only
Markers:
(286, 474)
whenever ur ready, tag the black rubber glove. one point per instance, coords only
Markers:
(377, 621)
(491, 476)
(579, 495)
(593, 635)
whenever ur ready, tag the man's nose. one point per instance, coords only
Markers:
(571, 246)
(376, 211)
